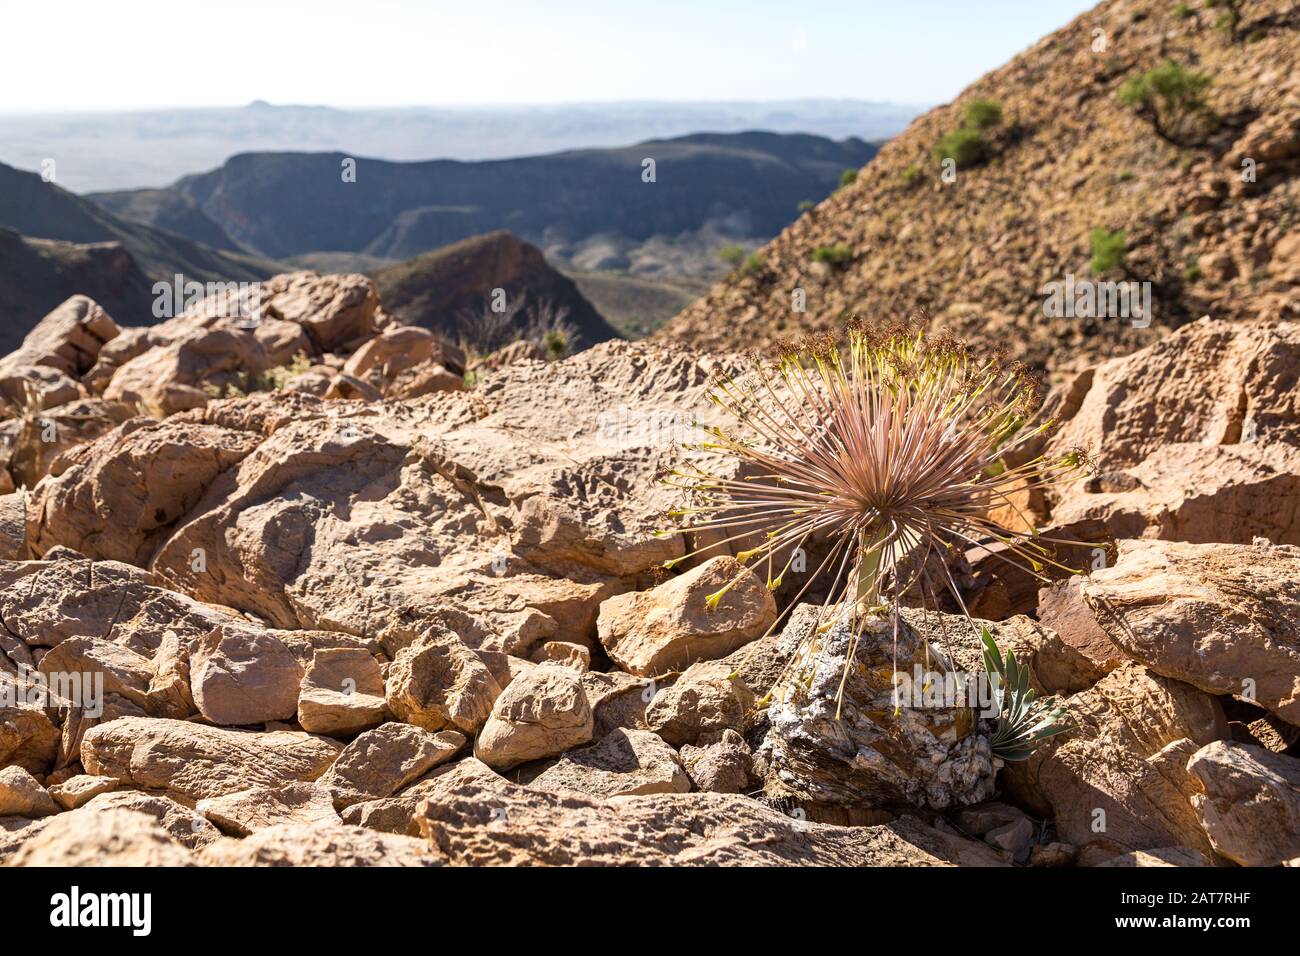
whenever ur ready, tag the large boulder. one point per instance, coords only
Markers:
(241, 675)
(1224, 618)
(672, 626)
(1118, 780)
(544, 712)
(1250, 807)
(116, 837)
(195, 761)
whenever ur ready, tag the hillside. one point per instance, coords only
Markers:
(288, 204)
(167, 210)
(1067, 158)
(37, 274)
(449, 290)
(47, 211)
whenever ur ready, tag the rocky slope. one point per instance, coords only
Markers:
(449, 290)
(364, 616)
(1067, 158)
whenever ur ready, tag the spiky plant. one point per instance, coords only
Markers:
(891, 449)
(1023, 721)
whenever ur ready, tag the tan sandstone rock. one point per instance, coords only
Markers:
(241, 676)
(623, 762)
(1250, 807)
(382, 761)
(257, 808)
(543, 712)
(438, 683)
(342, 693)
(671, 626)
(21, 795)
(704, 699)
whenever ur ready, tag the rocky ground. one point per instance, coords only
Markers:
(292, 594)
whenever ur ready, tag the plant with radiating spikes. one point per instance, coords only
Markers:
(891, 450)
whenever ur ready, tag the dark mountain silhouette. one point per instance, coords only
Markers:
(286, 204)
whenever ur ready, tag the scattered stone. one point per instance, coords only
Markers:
(573, 656)
(1158, 856)
(623, 762)
(719, 763)
(195, 761)
(114, 837)
(1250, 807)
(705, 699)
(382, 761)
(187, 826)
(671, 626)
(320, 844)
(1052, 855)
(1015, 838)
(342, 693)
(79, 790)
(241, 676)
(245, 812)
(21, 795)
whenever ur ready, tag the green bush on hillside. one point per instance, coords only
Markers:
(836, 255)
(983, 114)
(1107, 250)
(848, 177)
(1182, 11)
(732, 254)
(964, 146)
(1171, 99)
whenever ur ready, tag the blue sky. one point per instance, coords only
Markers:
(88, 54)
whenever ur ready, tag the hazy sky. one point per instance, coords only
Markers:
(92, 54)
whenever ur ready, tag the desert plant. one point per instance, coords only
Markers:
(1023, 721)
(1192, 271)
(732, 254)
(910, 174)
(1107, 250)
(805, 205)
(836, 255)
(848, 177)
(1171, 99)
(1229, 19)
(754, 263)
(964, 146)
(983, 114)
(891, 453)
(1182, 11)
(485, 331)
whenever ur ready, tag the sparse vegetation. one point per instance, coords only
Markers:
(1107, 250)
(1192, 271)
(1172, 100)
(910, 174)
(483, 332)
(888, 457)
(1182, 11)
(805, 205)
(965, 147)
(837, 255)
(754, 263)
(848, 177)
(1228, 21)
(732, 254)
(983, 114)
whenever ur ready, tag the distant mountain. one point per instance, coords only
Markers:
(169, 210)
(450, 290)
(37, 274)
(287, 204)
(42, 210)
(115, 151)
(54, 243)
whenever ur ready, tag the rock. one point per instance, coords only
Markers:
(46, 602)
(1052, 854)
(257, 808)
(1250, 807)
(1223, 618)
(623, 762)
(195, 761)
(116, 670)
(187, 826)
(1016, 838)
(573, 656)
(618, 700)
(980, 820)
(1158, 856)
(114, 837)
(505, 824)
(77, 791)
(439, 683)
(1118, 778)
(13, 526)
(382, 761)
(32, 446)
(543, 712)
(1063, 608)
(342, 693)
(671, 626)
(880, 750)
(399, 813)
(319, 844)
(22, 796)
(28, 738)
(117, 497)
(721, 763)
(241, 676)
(705, 699)
(68, 339)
